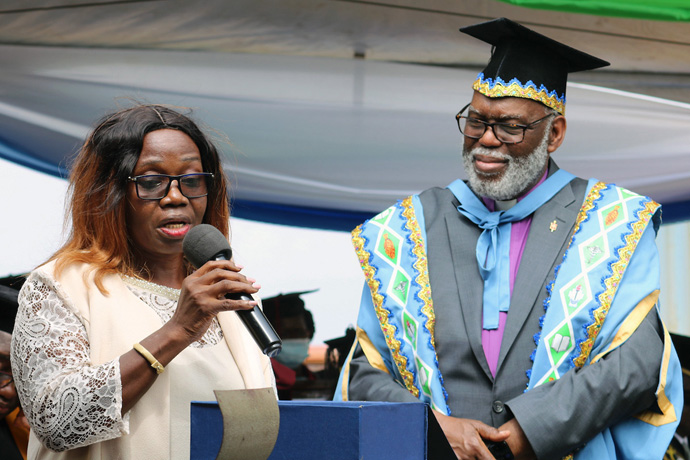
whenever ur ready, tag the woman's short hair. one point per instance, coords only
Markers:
(98, 184)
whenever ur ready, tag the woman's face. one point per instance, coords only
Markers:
(157, 227)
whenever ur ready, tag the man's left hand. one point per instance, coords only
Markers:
(517, 441)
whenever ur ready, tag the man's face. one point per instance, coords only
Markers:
(506, 171)
(8, 393)
(294, 328)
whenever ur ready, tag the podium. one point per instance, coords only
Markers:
(317, 430)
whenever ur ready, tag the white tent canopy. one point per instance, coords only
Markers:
(344, 136)
(320, 137)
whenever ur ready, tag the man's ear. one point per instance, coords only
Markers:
(557, 133)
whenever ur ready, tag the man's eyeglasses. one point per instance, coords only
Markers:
(508, 133)
(157, 186)
(5, 379)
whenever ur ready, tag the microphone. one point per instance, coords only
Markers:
(205, 242)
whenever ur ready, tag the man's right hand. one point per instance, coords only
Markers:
(466, 436)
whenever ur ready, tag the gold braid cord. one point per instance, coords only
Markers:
(421, 266)
(382, 314)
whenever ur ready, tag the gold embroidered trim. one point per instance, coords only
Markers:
(345, 390)
(586, 207)
(382, 314)
(668, 412)
(630, 324)
(370, 351)
(421, 266)
(613, 281)
(516, 90)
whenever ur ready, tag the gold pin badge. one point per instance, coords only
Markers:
(553, 226)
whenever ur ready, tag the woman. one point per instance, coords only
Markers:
(142, 179)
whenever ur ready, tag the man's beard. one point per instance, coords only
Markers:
(520, 173)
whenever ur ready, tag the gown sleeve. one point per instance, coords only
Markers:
(68, 401)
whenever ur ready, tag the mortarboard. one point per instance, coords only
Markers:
(289, 300)
(527, 64)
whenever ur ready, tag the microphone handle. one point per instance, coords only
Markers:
(255, 321)
(259, 327)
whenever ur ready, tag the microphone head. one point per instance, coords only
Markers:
(205, 242)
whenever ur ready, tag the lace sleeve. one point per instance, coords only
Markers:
(68, 402)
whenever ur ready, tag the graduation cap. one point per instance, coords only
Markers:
(527, 64)
(290, 298)
(288, 305)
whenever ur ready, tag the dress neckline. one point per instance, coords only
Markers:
(165, 291)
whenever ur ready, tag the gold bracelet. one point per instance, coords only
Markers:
(149, 357)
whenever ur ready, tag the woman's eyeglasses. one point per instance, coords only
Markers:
(157, 186)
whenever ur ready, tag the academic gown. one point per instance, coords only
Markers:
(558, 417)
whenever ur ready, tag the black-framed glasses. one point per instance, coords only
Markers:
(508, 133)
(5, 379)
(157, 186)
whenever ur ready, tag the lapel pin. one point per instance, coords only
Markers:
(553, 226)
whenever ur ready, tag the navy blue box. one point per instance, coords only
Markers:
(327, 430)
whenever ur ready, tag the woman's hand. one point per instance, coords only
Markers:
(205, 294)
(467, 436)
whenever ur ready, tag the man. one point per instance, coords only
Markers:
(525, 299)
(14, 428)
(295, 326)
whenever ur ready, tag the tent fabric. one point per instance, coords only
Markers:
(332, 110)
(388, 30)
(322, 142)
(657, 10)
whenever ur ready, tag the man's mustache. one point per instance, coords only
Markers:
(489, 153)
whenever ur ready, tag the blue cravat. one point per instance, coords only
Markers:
(493, 246)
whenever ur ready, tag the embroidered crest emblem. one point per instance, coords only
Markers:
(575, 296)
(388, 246)
(560, 343)
(553, 226)
(593, 251)
(612, 215)
(410, 328)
